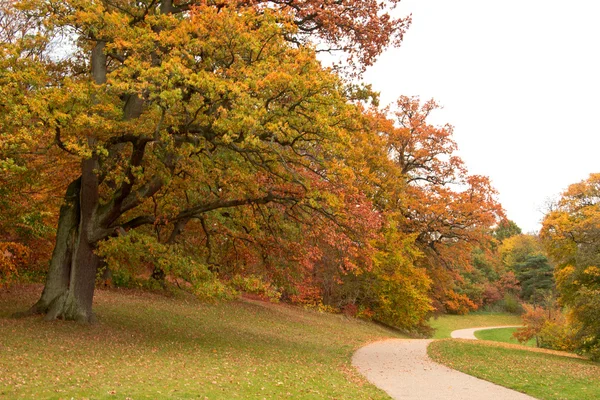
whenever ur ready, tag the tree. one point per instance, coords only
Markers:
(517, 248)
(176, 109)
(571, 234)
(524, 258)
(449, 212)
(201, 139)
(506, 229)
(535, 275)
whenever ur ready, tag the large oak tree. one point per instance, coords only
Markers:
(172, 109)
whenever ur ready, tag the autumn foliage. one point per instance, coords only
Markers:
(571, 234)
(13, 256)
(203, 145)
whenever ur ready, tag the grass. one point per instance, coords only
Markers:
(445, 324)
(147, 346)
(504, 335)
(541, 374)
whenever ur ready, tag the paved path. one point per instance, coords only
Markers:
(402, 368)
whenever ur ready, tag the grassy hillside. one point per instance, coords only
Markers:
(147, 346)
(540, 373)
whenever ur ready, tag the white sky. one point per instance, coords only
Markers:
(520, 82)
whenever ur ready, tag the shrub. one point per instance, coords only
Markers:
(557, 335)
(511, 304)
(458, 303)
(534, 319)
(491, 294)
(549, 327)
(132, 257)
(255, 285)
(213, 290)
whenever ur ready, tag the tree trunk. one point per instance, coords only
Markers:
(71, 279)
(57, 280)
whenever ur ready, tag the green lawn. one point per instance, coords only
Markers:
(540, 374)
(502, 335)
(444, 324)
(147, 346)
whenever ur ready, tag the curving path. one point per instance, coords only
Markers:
(402, 368)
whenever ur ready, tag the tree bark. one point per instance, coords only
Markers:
(57, 280)
(70, 283)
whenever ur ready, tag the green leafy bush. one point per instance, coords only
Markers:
(139, 260)
(255, 285)
(511, 304)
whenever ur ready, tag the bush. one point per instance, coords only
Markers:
(511, 304)
(533, 321)
(133, 257)
(549, 327)
(557, 335)
(458, 303)
(491, 294)
(213, 290)
(255, 285)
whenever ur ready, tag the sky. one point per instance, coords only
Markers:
(520, 82)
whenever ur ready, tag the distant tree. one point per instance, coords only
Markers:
(505, 229)
(535, 275)
(517, 248)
